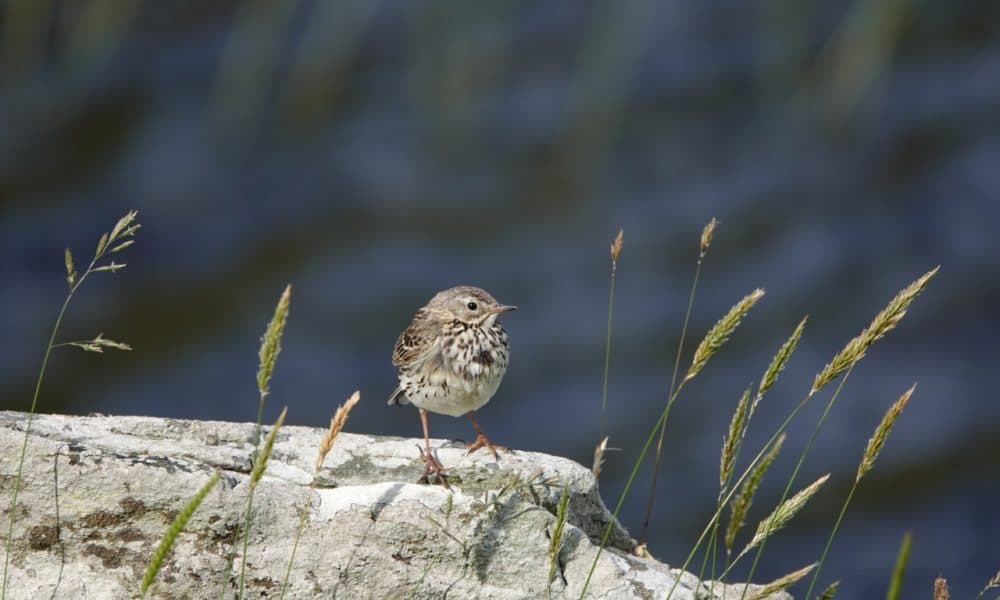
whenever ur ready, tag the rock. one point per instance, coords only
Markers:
(371, 532)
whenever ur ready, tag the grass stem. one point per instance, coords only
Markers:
(673, 385)
(875, 444)
(795, 473)
(704, 243)
(123, 228)
(616, 249)
(255, 477)
(27, 432)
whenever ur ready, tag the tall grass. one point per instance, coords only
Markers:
(885, 321)
(733, 443)
(616, 250)
(118, 239)
(712, 342)
(875, 444)
(602, 445)
(270, 348)
(841, 364)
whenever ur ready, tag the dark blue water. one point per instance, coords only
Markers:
(374, 154)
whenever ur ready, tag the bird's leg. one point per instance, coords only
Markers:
(481, 439)
(431, 464)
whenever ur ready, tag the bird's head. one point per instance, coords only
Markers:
(467, 304)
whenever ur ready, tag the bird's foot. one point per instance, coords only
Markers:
(433, 466)
(482, 441)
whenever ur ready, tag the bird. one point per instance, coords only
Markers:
(451, 360)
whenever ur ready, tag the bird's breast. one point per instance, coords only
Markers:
(475, 352)
(462, 373)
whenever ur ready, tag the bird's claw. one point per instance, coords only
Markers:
(433, 466)
(482, 441)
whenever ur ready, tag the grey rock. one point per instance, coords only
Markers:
(371, 531)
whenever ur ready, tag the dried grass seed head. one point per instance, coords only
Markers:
(337, 422)
(616, 245)
(599, 451)
(99, 343)
(122, 226)
(993, 583)
(941, 589)
(782, 582)
(706, 236)
(70, 271)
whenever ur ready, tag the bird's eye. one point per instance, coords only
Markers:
(472, 305)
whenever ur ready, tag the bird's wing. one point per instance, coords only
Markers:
(397, 397)
(414, 344)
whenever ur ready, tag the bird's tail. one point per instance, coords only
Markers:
(397, 397)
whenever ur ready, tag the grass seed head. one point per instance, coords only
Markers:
(782, 582)
(877, 441)
(265, 454)
(555, 540)
(616, 245)
(599, 451)
(720, 332)
(337, 422)
(123, 227)
(993, 583)
(70, 271)
(740, 505)
(733, 437)
(270, 345)
(780, 359)
(830, 591)
(180, 521)
(784, 513)
(706, 236)
(941, 589)
(884, 321)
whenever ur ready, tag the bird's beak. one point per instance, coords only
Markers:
(503, 308)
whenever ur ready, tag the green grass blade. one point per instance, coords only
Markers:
(899, 571)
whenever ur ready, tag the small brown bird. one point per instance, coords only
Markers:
(451, 360)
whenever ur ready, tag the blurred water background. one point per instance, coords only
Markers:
(372, 153)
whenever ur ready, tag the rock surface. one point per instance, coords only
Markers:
(371, 532)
